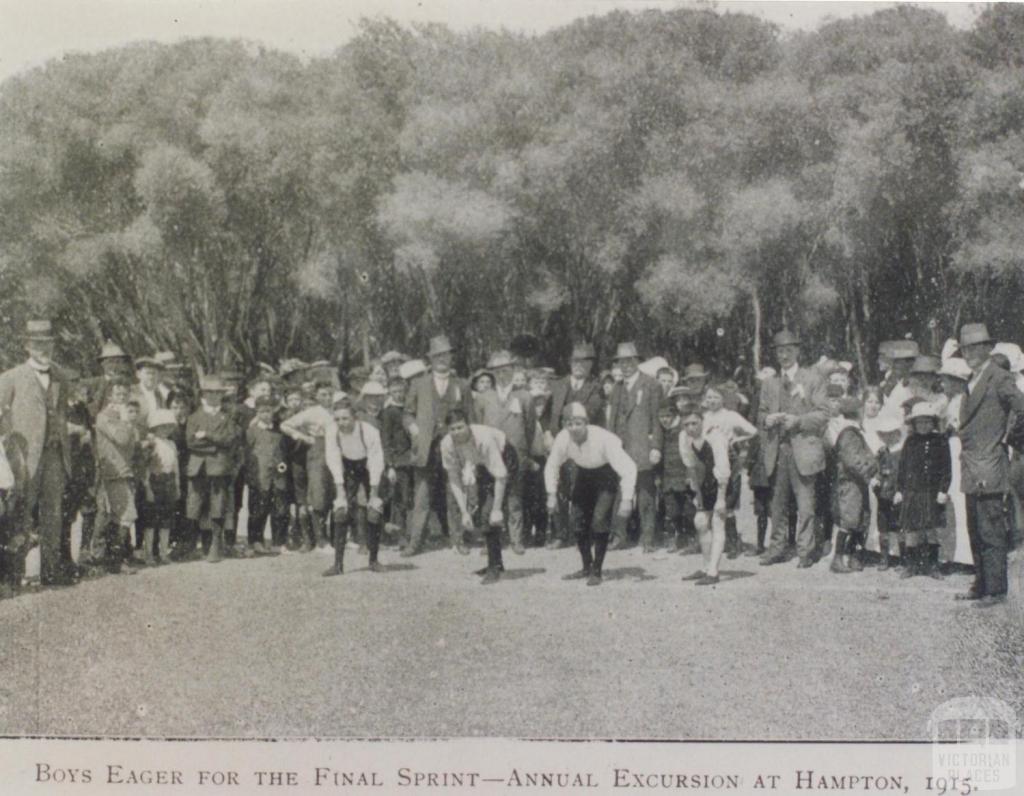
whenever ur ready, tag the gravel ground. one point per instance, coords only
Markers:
(261, 648)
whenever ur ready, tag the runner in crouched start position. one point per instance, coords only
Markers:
(602, 469)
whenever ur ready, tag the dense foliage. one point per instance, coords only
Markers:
(690, 179)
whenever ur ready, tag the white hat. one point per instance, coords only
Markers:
(161, 417)
(923, 409)
(1013, 353)
(576, 409)
(888, 420)
(651, 367)
(957, 368)
(372, 388)
(411, 369)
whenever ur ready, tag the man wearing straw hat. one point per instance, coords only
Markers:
(633, 416)
(430, 398)
(114, 362)
(792, 419)
(984, 413)
(33, 410)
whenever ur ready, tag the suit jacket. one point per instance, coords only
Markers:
(984, 415)
(213, 454)
(806, 400)
(590, 395)
(117, 445)
(266, 456)
(24, 405)
(428, 410)
(515, 416)
(633, 416)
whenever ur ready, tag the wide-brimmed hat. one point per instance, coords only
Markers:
(371, 389)
(111, 350)
(286, 367)
(956, 368)
(149, 362)
(393, 356)
(340, 397)
(926, 365)
(923, 409)
(973, 333)
(412, 368)
(165, 358)
(1013, 354)
(695, 371)
(439, 345)
(904, 349)
(500, 359)
(626, 351)
(785, 337)
(39, 330)
(583, 351)
(885, 348)
(161, 417)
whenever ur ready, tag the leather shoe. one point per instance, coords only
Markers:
(375, 567)
(491, 576)
(989, 600)
(970, 594)
(700, 573)
(707, 580)
(583, 573)
(804, 563)
(594, 579)
(330, 573)
(767, 561)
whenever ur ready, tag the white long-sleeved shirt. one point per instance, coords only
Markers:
(731, 425)
(313, 421)
(601, 447)
(363, 442)
(483, 448)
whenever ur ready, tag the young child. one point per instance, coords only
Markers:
(300, 526)
(266, 477)
(675, 492)
(736, 430)
(888, 426)
(706, 458)
(117, 453)
(923, 483)
(855, 466)
(162, 486)
(309, 427)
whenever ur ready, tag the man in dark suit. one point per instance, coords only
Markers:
(633, 416)
(578, 387)
(33, 405)
(984, 414)
(212, 438)
(431, 396)
(792, 418)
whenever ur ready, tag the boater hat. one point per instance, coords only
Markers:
(41, 331)
(500, 359)
(626, 351)
(161, 417)
(888, 420)
(956, 368)
(111, 350)
(149, 362)
(785, 337)
(904, 349)
(926, 365)
(392, 356)
(973, 333)
(412, 368)
(695, 371)
(1013, 354)
(372, 388)
(211, 383)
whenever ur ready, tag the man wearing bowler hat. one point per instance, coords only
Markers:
(792, 418)
(430, 398)
(984, 413)
(33, 410)
(113, 362)
(633, 416)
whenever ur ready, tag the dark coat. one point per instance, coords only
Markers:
(591, 395)
(266, 465)
(926, 469)
(984, 416)
(428, 410)
(633, 417)
(211, 455)
(855, 466)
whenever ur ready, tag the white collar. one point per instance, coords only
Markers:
(38, 367)
(791, 372)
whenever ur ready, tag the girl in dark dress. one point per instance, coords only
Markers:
(923, 483)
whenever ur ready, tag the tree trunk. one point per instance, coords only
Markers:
(755, 297)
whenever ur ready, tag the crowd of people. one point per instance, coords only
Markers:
(157, 463)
